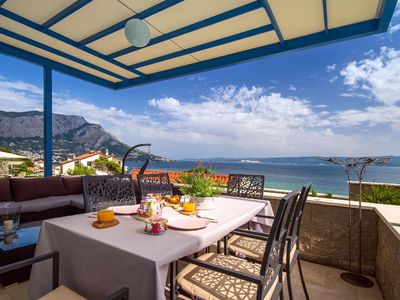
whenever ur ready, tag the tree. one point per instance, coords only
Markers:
(80, 169)
(6, 149)
(22, 168)
(105, 165)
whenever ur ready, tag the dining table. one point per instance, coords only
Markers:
(96, 262)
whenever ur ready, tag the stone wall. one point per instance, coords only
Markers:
(325, 236)
(354, 189)
(388, 262)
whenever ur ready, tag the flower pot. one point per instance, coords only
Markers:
(204, 203)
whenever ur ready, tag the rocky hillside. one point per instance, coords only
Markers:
(23, 132)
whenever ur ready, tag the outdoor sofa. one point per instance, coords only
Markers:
(44, 198)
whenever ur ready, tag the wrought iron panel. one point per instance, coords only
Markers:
(247, 186)
(154, 184)
(104, 191)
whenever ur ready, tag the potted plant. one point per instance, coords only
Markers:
(200, 186)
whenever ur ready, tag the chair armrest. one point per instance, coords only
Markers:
(122, 294)
(54, 255)
(265, 217)
(244, 276)
(251, 234)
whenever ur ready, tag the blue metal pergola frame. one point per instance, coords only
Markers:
(283, 46)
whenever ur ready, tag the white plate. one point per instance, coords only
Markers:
(125, 209)
(187, 223)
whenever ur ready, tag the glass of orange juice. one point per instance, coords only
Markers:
(105, 215)
(189, 206)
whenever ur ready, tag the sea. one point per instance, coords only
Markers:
(288, 173)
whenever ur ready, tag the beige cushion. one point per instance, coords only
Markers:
(210, 285)
(250, 247)
(253, 248)
(63, 293)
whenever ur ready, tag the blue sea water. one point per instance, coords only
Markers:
(289, 173)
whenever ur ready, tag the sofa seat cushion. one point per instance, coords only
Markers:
(5, 190)
(25, 189)
(77, 201)
(42, 204)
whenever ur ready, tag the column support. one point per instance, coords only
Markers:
(47, 120)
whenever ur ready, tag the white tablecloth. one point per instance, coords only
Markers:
(97, 262)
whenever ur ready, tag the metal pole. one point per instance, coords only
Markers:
(359, 228)
(47, 120)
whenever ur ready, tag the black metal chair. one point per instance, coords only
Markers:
(100, 192)
(219, 276)
(59, 292)
(252, 249)
(246, 186)
(154, 184)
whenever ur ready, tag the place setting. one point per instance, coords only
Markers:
(158, 213)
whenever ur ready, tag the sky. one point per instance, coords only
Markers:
(341, 99)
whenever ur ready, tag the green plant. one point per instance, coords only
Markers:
(313, 193)
(23, 168)
(383, 194)
(80, 169)
(328, 195)
(105, 165)
(198, 183)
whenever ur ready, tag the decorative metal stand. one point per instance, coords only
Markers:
(356, 166)
(143, 168)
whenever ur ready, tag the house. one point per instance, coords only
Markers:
(9, 161)
(86, 160)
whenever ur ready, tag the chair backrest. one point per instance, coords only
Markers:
(154, 184)
(109, 190)
(246, 186)
(294, 228)
(273, 254)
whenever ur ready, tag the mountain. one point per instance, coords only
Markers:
(72, 135)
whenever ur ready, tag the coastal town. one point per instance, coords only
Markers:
(12, 164)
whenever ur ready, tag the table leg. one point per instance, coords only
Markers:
(172, 281)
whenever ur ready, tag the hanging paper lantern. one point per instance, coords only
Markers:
(137, 32)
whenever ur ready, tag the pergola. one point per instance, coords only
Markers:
(85, 38)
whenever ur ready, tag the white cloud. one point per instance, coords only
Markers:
(371, 116)
(394, 28)
(379, 76)
(333, 79)
(292, 88)
(331, 68)
(228, 121)
(352, 94)
(397, 10)
(165, 103)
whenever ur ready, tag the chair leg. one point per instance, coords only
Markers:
(172, 281)
(289, 284)
(219, 247)
(225, 245)
(303, 283)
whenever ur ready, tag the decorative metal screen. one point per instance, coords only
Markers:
(154, 184)
(247, 186)
(294, 228)
(273, 254)
(110, 190)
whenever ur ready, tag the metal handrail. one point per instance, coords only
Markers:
(143, 168)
